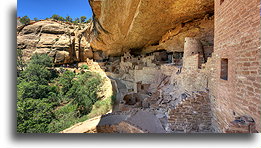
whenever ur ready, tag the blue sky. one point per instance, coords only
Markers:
(42, 9)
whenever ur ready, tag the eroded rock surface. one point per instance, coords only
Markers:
(66, 42)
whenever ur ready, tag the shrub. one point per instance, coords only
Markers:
(84, 91)
(68, 19)
(37, 70)
(86, 67)
(113, 99)
(37, 73)
(34, 101)
(25, 20)
(34, 90)
(42, 59)
(55, 17)
(33, 115)
(76, 20)
(101, 107)
(82, 19)
(39, 93)
(66, 81)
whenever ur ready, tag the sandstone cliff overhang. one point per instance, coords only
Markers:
(120, 25)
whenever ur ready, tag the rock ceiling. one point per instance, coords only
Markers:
(121, 25)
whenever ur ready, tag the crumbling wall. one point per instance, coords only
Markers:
(141, 69)
(189, 81)
(169, 69)
(192, 114)
(193, 75)
(147, 75)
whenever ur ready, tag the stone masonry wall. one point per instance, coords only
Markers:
(237, 39)
(192, 114)
(192, 62)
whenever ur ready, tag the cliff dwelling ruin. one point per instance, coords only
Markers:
(176, 66)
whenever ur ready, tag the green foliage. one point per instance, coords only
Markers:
(37, 73)
(34, 90)
(33, 115)
(42, 59)
(25, 20)
(68, 19)
(37, 69)
(55, 17)
(36, 19)
(66, 81)
(101, 107)
(76, 20)
(84, 91)
(89, 20)
(34, 108)
(65, 117)
(80, 93)
(86, 67)
(113, 99)
(61, 18)
(48, 102)
(83, 19)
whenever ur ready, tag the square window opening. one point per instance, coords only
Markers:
(224, 69)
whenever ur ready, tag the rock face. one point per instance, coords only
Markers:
(173, 40)
(133, 24)
(64, 41)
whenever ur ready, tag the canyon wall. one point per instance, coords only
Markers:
(65, 42)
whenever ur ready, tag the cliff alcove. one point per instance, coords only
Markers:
(176, 66)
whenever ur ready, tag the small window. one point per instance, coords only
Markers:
(221, 1)
(224, 69)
